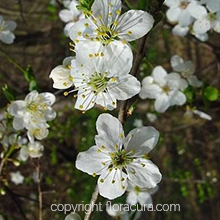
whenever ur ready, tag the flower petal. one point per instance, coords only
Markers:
(80, 30)
(172, 3)
(144, 198)
(106, 100)
(177, 63)
(134, 24)
(144, 173)
(185, 18)
(11, 25)
(106, 135)
(7, 37)
(23, 153)
(202, 115)
(178, 98)
(141, 140)
(113, 186)
(66, 15)
(126, 87)
(180, 31)
(107, 10)
(149, 90)
(197, 11)
(132, 198)
(193, 81)
(118, 58)
(47, 98)
(159, 74)
(202, 26)
(50, 114)
(162, 103)
(173, 14)
(31, 97)
(91, 161)
(17, 108)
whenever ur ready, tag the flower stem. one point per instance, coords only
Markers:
(11, 60)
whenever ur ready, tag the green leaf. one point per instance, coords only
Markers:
(211, 93)
(189, 94)
(8, 93)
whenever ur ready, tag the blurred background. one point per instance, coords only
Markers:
(187, 153)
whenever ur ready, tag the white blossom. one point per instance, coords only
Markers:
(179, 11)
(187, 70)
(38, 131)
(17, 178)
(102, 79)
(33, 112)
(33, 149)
(206, 21)
(140, 195)
(6, 28)
(108, 27)
(61, 75)
(70, 16)
(117, 158)
(165, 88)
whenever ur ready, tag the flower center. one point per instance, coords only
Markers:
(120, 159)
(166, 89)
(98, 82)
(186, 73)
(106, 35)
(211, 16)
(36, 108)
(183, 5)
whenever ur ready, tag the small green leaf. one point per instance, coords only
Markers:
(8, 93)
(189, 94)
(211, 93)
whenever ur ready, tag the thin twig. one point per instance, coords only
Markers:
(39, 190)
(2, 165)
(21, 11)
(11, 60)
(93, 201)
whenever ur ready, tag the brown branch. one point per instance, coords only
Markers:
(40, 199)
(2, 165)
(93, 201)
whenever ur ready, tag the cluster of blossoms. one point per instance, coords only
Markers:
(99, 74)
(70, 15)
(32, 114)
(167, 89)
(100, 71)
(6, 31)
(195, 16)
